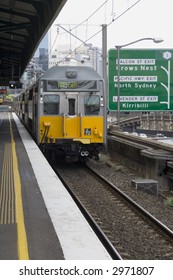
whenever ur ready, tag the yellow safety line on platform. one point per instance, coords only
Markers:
(21, 231)
(7, 188)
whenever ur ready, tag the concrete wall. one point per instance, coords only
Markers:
(152, 162)
(128, 150)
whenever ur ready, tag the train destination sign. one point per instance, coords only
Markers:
(86, 85)
(145, 79)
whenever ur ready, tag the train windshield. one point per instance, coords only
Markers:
(92, 104)
(51, 104)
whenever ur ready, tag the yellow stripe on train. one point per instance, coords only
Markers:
(73, 128)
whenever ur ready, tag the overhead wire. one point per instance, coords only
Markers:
(95, 34)
(76, 26)
(86, 20)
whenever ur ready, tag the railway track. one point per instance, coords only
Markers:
(129, 230)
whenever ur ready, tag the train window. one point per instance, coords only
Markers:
(71, 106)
(30, 94)
(92, 104)
(51, 104)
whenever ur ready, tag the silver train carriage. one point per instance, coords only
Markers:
(64, 112)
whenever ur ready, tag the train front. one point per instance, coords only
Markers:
(71, 113)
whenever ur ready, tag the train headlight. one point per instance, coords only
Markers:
(101, 101)
(12, 84)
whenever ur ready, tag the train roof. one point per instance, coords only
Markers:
(60, 72)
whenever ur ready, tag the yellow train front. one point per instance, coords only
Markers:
(1, 99)
(65, 112)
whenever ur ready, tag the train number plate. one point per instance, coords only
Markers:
(87, 131)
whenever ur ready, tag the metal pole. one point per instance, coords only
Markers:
(104, 75)
(118, 86)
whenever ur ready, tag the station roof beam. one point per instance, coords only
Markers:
(23, 24)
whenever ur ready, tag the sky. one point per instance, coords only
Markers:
(126, 20)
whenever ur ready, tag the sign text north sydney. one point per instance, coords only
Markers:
(145, 80)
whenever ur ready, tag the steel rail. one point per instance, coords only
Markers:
(100, 234)
(140, 209)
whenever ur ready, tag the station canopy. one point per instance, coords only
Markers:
(23, 24)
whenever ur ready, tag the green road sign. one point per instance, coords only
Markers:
(145, 80)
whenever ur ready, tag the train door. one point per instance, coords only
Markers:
(70, 125)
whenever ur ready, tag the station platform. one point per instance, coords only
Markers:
(38, 218)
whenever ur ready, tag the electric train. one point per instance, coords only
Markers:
(64, 110)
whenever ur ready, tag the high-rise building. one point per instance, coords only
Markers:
(85, 55)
